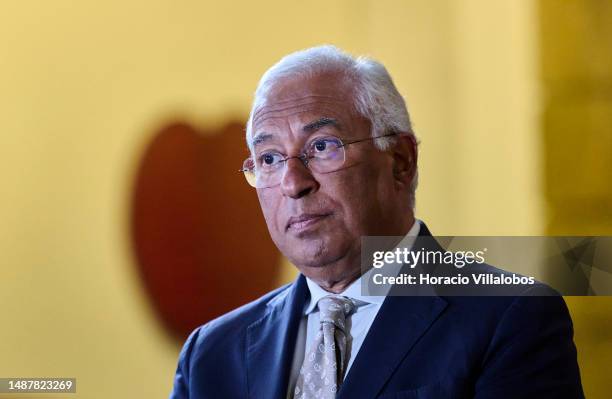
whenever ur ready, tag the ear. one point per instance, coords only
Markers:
(404, 154)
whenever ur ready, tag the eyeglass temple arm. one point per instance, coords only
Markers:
(372, 138)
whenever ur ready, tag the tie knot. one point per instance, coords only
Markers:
(334, 309)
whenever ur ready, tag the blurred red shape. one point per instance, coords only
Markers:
(200, 240)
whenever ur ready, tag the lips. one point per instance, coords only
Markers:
(304, 220)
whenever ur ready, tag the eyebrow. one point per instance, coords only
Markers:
(260, 138)
(308, 128)
(320, 123)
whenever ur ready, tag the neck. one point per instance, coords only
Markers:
(335, 277)
(339, 286)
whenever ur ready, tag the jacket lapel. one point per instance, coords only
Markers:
(399, 324)
(271, 343)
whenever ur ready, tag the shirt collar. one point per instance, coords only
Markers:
(353, 291)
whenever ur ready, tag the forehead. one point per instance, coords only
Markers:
(330, 84)
(301, 100)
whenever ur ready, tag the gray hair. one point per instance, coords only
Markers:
(375, 96)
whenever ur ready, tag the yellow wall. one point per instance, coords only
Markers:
(83, 84)
(576, 77)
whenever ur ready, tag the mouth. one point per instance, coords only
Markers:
(304, 221)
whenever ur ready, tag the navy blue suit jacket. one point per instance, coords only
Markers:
(518, 346)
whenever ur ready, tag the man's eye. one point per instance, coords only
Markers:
(320, 145)
(325, 145)
(269, 159)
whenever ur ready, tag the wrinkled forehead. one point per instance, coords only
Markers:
(331, 84)
(329, 92)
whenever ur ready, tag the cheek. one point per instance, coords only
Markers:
(354, 196)
(364, 195)
(268, 203)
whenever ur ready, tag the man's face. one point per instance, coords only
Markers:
(317, 220)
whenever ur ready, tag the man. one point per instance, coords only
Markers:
(333, 159)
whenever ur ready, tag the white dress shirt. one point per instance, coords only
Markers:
(358, 323)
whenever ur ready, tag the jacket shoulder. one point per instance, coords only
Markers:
(237, 320)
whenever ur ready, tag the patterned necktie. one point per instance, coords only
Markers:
(326, 361)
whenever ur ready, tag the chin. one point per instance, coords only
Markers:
(314, 254)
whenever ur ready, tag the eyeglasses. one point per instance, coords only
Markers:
(322, 155)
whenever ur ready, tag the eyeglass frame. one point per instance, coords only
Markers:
(306, 159)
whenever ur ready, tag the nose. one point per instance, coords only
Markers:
(297, 180)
